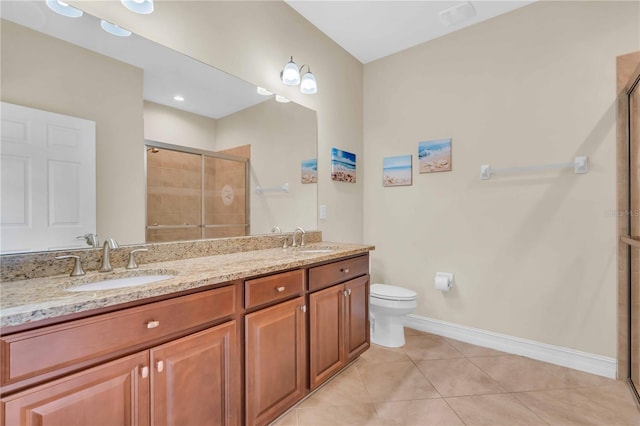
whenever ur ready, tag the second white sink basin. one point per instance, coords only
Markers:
(316, 250)
(120, 283)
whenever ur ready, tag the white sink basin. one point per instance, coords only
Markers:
(316, 250)
(120, 283)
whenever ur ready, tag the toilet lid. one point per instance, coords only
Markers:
(391, 292)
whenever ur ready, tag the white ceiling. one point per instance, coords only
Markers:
(372, 29)
(368, 29)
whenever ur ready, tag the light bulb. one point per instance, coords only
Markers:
(291, 74)
(64, 9)
(309, 85)
(143, 7)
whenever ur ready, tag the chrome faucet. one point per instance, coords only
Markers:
(109, 244)
(294, 242)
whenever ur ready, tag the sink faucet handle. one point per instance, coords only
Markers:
(132, 259)
(91, 239)
(77, 266)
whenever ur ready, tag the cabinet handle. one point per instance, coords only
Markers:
(280, 289)
(144, 372)
(153, 324)
(349, 292)
(159, 366)
(303, 308)
(345, 293)
(345, 270)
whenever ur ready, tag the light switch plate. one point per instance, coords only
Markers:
(323, 212)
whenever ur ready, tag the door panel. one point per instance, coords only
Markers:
(326, 333)
(115, 393)
(275, 342)
(357, 317)
(634, 228)
(196, 380)
(48, 180)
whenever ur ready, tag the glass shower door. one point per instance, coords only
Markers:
(634, 231)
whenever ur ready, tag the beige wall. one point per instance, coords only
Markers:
(253, 40)
(281, 136)
(170, 125)
(534, 254)
(45, 73)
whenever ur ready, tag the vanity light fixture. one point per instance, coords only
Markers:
(114, 29)
(264, 92)
(282, 99)
(178, 98)
(64, 9)
(143, 7)
(290, 76)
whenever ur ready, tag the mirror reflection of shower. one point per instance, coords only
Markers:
(194, 194)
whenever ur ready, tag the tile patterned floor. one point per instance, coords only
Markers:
(433, 380)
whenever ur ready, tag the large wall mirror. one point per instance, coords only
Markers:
(147, 100)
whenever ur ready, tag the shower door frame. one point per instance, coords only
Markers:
(628, 78)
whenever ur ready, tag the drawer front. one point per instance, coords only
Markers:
(37, 352)
(337, 272)
(276, 287)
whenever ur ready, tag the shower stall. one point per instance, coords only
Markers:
(194, 194)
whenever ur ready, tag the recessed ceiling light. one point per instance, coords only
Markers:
(264, 92)
(178, 98)
(114, 29)
(139, 6)
(282, 99)
(64, 9)
(457, 14)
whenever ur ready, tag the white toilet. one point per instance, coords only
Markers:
(388, 304)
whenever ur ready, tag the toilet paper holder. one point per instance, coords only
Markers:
(443, 281)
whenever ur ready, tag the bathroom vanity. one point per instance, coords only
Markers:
(229, 339)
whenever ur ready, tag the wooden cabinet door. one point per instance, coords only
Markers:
(326, 333)
(356, 317)
(115, 393)
(196, 380)
(275, 369)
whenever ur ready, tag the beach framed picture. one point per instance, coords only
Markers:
(397, 171)
(434, 156)
(343, 166)
(309, 171)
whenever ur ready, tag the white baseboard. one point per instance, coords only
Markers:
(583, 361)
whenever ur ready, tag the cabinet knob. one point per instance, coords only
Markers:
(280, 289)
(153, 324)
(303, 308)
(345, 270)
(160, 366)
(144, 372)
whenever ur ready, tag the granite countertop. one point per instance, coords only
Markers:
(37, 299)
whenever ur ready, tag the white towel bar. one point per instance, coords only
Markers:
(580, 165)
(282, 188)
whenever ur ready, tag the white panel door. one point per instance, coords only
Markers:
(47, 180)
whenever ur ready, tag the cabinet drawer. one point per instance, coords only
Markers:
(67, 346)
(273, 288)
(337, 272)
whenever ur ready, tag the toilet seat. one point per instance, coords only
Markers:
(391, 292)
